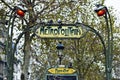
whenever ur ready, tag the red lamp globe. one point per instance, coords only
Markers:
(101, 12)
(21, 13)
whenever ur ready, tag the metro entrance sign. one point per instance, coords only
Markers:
(61, 77)
(60, 31)
(61, 73)
(62, 70)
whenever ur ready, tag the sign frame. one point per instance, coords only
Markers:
(61, 70)
(60, 31)
(61, 75)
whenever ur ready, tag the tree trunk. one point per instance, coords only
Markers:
(27, 47)
(26, 55)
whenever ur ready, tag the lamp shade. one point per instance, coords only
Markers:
(60, 46)
(20, 12)
(101, 12)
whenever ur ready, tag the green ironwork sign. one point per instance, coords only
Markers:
(61, 73)
(62, 70)
(61, 77)
(57, 31)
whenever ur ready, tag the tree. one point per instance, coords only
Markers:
(85, 58)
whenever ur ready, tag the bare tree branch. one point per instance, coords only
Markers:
(7, 4)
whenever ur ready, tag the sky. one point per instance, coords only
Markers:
(116, 5)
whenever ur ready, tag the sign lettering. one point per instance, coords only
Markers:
(63, 32)
(61, 70)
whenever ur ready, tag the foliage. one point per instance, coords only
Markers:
(37, 55)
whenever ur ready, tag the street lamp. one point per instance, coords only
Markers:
(103, 11)
(20, 12)
(10, 48)
(100, 10)
(60, 48)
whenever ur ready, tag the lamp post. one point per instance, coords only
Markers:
(103, 11)
(10, 48)
(60, 48)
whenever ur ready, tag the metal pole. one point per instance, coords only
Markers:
(109, 50)
(102, 10)
(60, 60)
(107, 56)
(60, 48)
(111, 36)
(9, 49)
(109, 46)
